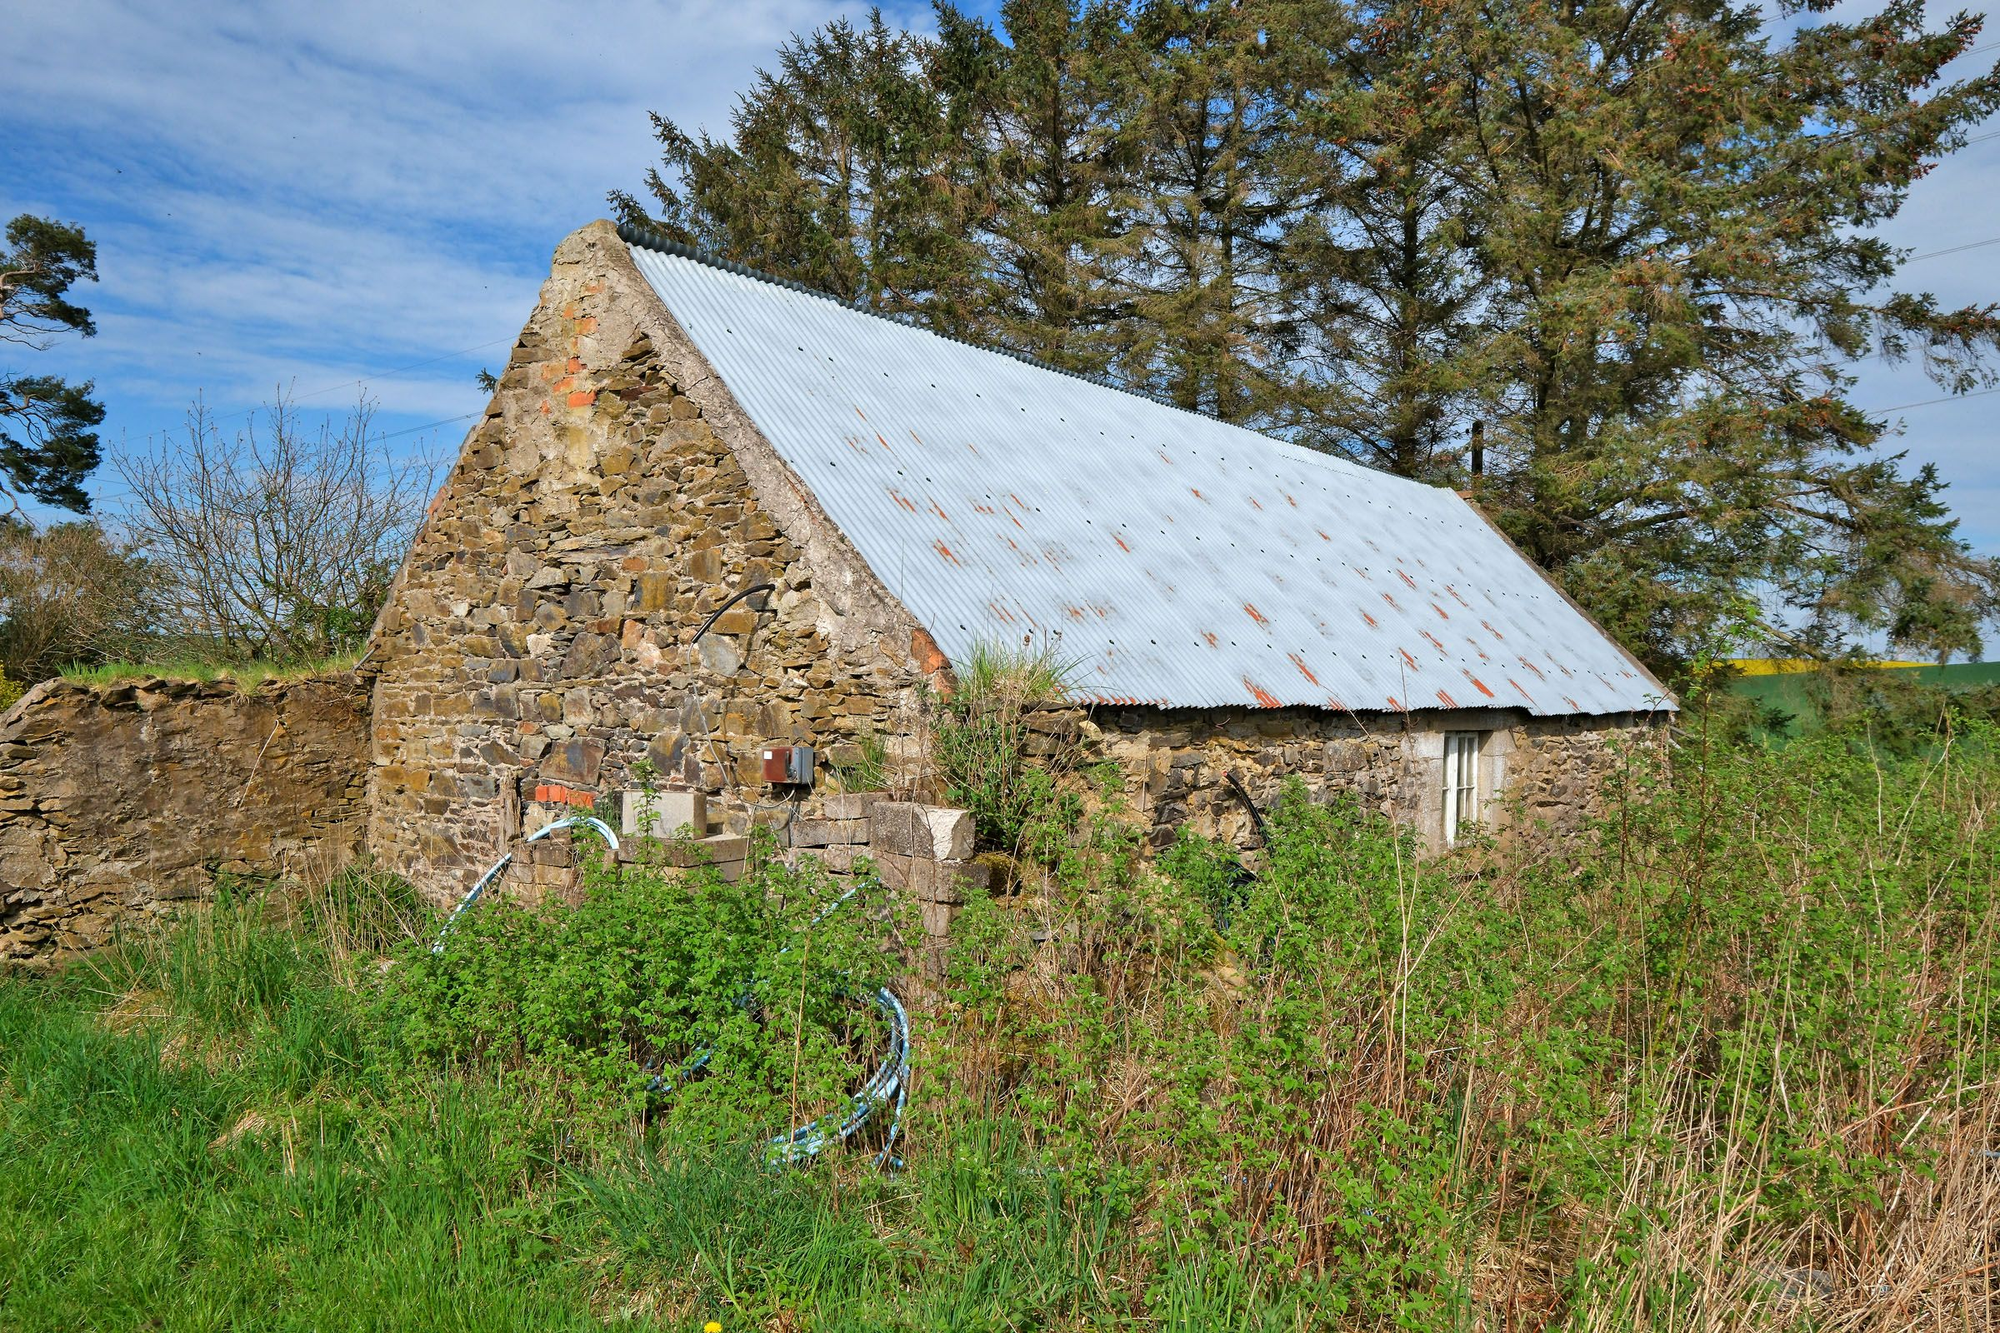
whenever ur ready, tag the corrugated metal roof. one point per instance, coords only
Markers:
(1182, 561)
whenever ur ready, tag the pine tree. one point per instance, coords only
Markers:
(1046, 115)
(48, 441)
(1208, 300)
(1385, 284)
(1675, 215)
(837, 174)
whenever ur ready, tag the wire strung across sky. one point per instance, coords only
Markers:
(365, 379)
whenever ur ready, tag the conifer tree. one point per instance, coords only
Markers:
(1047, 116)
(1213, 210)
(838, 173)
(1676, 213)
(1385, 286)
(48, 436)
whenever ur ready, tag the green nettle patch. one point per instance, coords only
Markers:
(1725, 1063)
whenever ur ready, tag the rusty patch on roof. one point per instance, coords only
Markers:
(1255, 614)
(944, 550)
(1480, 685)
(1121, 543)
(1304, 670)
(1264, 698)
(1213, 642)
(1447, 700)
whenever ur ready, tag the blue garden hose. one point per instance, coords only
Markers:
(887, 1087)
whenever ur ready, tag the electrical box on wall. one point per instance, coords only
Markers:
(789, 765)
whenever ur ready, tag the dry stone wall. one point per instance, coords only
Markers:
(118, 802)
(541, 640)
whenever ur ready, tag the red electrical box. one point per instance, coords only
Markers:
(789, 765)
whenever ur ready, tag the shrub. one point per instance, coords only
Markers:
(70, 594)
(652, 974)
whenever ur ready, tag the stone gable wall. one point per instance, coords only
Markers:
(540, 641)
(118, 802)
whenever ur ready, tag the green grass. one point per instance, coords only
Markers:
(1746, 1027)
(247, 675)
(1804, 697)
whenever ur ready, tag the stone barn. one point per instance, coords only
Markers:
(672, 433)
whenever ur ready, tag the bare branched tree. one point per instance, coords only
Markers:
(278, 542)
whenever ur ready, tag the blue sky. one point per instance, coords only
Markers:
(315, 196)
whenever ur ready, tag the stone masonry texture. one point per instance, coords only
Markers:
(1539, 777)
(118, 802)
(540, 642)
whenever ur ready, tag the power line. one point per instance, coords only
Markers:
(412, 430)
(1929, 402)
(1969, 245)
(364, 379)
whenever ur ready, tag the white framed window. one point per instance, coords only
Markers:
(1461, 782)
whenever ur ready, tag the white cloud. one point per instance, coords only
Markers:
(304, 195)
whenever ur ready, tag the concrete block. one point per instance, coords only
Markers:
(931, 881)
(932, 832)
(829, 832)
(937, 919)
(851, 804)
(722, 851)
(838, 858)
(892, 867)
(664, 813)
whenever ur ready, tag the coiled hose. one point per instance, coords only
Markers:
(887, 1087)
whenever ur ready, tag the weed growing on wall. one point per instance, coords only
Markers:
(984, 738)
